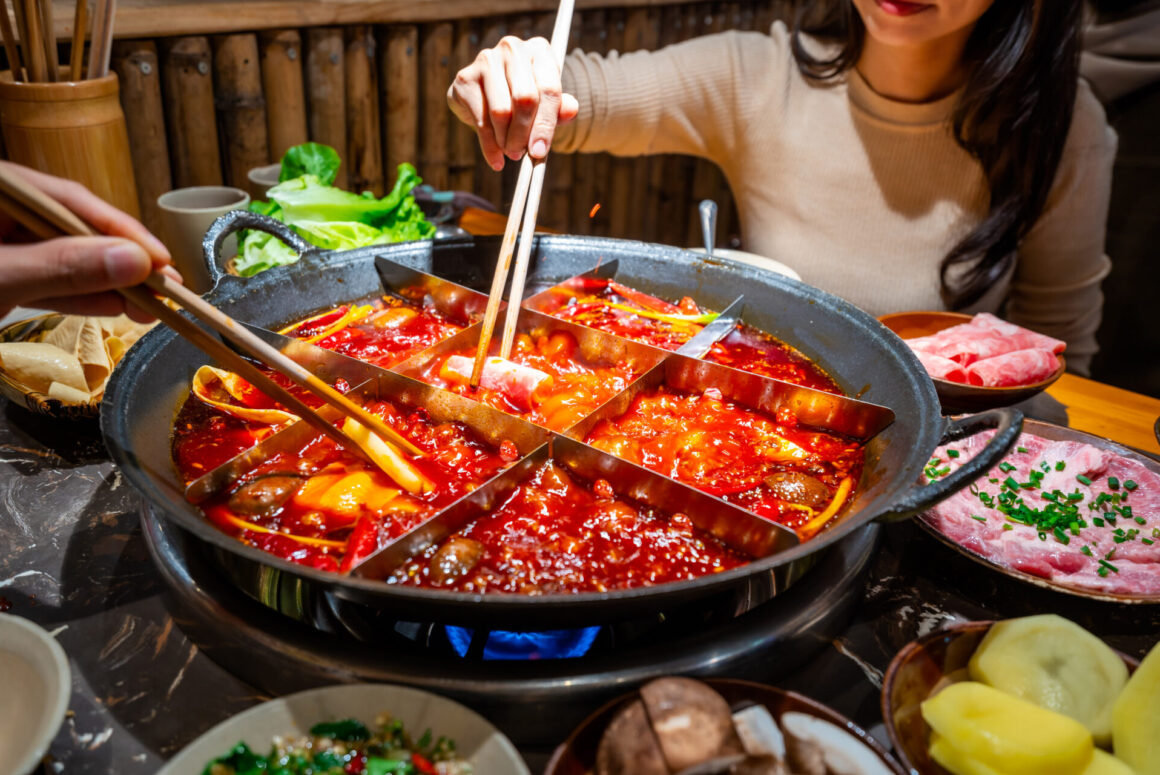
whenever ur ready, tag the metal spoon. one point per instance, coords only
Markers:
(708, 210)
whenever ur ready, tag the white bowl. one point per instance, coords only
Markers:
(753, 259)
(35, 676)
(475, 738)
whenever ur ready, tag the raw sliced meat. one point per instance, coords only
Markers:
(939, 367)
(985, 338)
(515, 381)
(1021, 367)
(1113, 545)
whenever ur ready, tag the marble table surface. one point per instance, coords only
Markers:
(72, 559)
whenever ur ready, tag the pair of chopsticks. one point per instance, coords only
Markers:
(525, 206)
(37, 37)
(47, 218)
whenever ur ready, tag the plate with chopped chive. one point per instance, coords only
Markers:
(1064, 509)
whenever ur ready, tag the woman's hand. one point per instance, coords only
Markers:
(511, 96)
(77, 274)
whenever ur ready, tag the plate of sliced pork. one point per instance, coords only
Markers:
(981, 361)
(1064, 509)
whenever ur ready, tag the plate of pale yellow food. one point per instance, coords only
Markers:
(1038, 695)
(58, 364)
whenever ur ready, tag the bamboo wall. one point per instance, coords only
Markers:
(204, 109)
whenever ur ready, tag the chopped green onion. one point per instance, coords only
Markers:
(1097, 522)
(1060, 465)
(1083, 479)
(1109, 566)
(1113, 482)
(952, 453)
(1130, 485)
(1007, 526)
(1006, 467)
(1022, 450)
(1060, 536)
(977, 517)
(1086, 550)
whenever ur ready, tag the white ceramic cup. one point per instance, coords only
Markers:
(186, 215)
(262, 179)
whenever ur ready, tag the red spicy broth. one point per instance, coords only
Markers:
(323, 507)
(546, 381)
(613, 307)
(559, 534)
(769, 465)
(382, 331)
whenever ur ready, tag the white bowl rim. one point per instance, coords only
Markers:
(189, 754)
(58, 685)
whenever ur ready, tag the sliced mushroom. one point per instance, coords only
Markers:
(265, 495)
(692, 722)
(629, 747)
(455, 559)
(799, 488)
(815, 746)
(760, 765)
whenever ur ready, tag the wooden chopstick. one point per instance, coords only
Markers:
(30, 36)
(251, 344)
(502, 267)
(559, 44)
(11, 48)
(101, 45)
(80, 27)
(46, 217)
(48, 39)
(525, 206)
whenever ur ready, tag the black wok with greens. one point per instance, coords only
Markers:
(347, 747)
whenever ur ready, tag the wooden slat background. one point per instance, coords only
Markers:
(204, 109)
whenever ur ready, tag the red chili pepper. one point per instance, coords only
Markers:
(364, 540)
(357, 764)
(422, 764)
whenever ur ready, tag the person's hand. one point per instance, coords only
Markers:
(511, 96)
(77, 274)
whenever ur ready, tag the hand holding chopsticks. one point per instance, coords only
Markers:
(525, 206)
(46, 218)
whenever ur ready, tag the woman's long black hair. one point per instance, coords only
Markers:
(1022, 64)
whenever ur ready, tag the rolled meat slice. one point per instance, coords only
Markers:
(939, 367)
(985, 336)
(514, 380)
(1022, 367)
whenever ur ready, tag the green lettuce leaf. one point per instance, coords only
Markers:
(315, 159)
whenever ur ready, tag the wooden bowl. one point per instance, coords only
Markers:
(28, 398)
(955, 396)
(922, 668)
(577, 754)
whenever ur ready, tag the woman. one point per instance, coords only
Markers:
(909, 155)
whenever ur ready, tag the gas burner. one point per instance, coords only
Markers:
(535, 701)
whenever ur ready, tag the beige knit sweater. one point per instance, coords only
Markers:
(862, 195)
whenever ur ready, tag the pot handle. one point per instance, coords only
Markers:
(236, 220)
(1009, 424)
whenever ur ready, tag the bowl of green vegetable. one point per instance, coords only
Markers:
(379, 729)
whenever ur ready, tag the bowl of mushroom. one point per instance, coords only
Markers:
(682, 726)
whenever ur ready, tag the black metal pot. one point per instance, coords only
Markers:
(864, 357)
